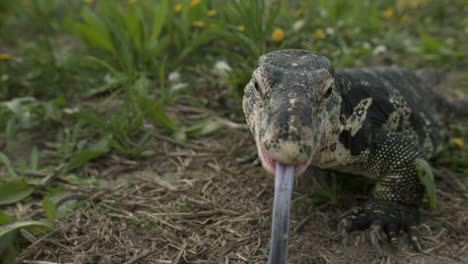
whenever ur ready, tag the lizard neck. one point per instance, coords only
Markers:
(326, 154)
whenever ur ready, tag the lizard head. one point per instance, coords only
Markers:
(290, 104)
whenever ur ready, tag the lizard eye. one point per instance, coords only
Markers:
(328, 92)
(257, 87)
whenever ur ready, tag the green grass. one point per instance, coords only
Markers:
(455, 154)
(55, 56)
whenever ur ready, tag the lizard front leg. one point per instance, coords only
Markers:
(395, 200)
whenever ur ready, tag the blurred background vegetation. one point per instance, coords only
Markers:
(81, 79)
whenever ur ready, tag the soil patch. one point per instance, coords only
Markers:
(196, 204)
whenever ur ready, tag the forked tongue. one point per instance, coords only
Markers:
(284, 182)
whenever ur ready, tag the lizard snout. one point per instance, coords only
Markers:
(285, 151)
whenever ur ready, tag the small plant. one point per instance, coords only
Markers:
(18, 187)
(136, 37)
(328, 188)
(249, 27)
(455, 154)
(124, 35)
(195, 25)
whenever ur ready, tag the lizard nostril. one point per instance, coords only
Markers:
(286, 152)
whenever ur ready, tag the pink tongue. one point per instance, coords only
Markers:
(284, 183)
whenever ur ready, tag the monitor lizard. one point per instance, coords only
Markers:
(371, 121)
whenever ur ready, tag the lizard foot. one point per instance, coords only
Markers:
(382, 218)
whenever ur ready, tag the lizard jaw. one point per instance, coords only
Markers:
(269, 164)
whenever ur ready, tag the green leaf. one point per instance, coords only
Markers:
(7, 163)
(157, 114)
(203, 128)
(180, 135)
(77, 180)
(10, 255)
(49, 207)
(96, 151)
(120, 78)
(4, 218)
(159, 20)
(92, 118)
(12, 192)
(67, 207)
(148, 153)
(10, 133)
(94, 37)
(431, 43)
(427, 179)
(141, 86)
(5, 229)
(34, 158)
(96, 31)
(7, 242)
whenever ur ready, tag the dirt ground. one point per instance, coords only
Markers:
(193, 203)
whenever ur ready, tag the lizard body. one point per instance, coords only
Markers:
(373, 121)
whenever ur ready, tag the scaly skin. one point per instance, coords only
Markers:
(371, 121)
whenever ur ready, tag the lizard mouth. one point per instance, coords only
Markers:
(269, 164)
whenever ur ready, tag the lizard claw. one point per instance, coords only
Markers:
(381, 218)
(343, 231)
(413, 232)
(375, 234)
(346, 223)
(351, 212)
(392, 232)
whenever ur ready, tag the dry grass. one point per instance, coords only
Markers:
(196, 204)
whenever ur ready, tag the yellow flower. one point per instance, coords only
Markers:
(212, 12)
(356, 52)
(299, 11)
(5, 56)
(198, 23)
(458, 142)
(194, 3)
(319, 33)
(277, 35)
(241, 28)
(465, 3)
(404, 19)
(423, 2)
(400, 4)
(389, 13)
(132, 1)
(413, 4)
(178, 7)
(89, 1)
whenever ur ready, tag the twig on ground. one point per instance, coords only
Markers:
(179, 255)
(57, 171)
(145, 253)
(28, 236)
(157, 219)
(299, 226)
(177, 143)
(74, 196)
(44, 262)
(35, 173)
